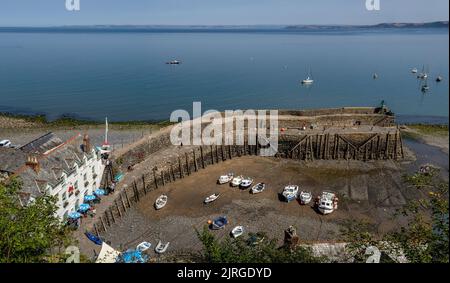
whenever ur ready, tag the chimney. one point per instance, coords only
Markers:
(33, 163)
(86, 143)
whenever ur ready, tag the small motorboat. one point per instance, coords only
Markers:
(305, 197)
(246, 183)
(161, 201)
(258, 188)
(173, 62)
(236, 181)
(375, 76)
(219, 223)
(327, 202)
(211, 198)
(439, 79)
(290, 192)
(143, 246)
(225, 178)
(414, 70)
(307, 81)
(237, 231)
(161, 248)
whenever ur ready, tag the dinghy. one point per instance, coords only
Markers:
(212, 198)
(236, 181)
(327, 203)
(290, 192)
(258, 188)
(161, 201)
(225, 178)
(414, 70)
(237, 231)
(143, 246)
(246, 183)
(161, 248)
(305, 197)
(219, 223)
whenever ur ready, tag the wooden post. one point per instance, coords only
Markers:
(401, 145)
(126, 196)
(162, 178)
(319, 146)
(123, 203)
(195, 160)
(203, 158)
(118, 210)
(212, 154)
(143, 184)
(311, 147)
(217, 155)
(136, 192)
(96, 230)
(396, 145)
(221, 151)
(155, 180)
(180, 168)
(187, 164)
(103, 224)
(112, 215)
(337, 146)
(172, 172)
(347, 149)
(229, 152)
(386, 149)
(378, 154)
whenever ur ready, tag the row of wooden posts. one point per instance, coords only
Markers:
(185, 165)
(308, 147)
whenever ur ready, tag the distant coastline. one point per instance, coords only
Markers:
(226, 28)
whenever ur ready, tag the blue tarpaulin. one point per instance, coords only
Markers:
(118, 177)
(99, 192)
(133, 256)
(84, 207)
(94, 238)
(219, 222)
(74, 215)
(89, 197)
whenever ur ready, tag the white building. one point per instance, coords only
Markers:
(67, 170)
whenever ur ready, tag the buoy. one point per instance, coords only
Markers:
(209, 222)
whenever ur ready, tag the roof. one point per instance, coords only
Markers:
(11, 159)
(42, 144)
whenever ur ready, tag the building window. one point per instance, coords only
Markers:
(63, 196)
(85, 177)
(75, 186)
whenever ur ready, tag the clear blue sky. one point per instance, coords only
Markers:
(218, 12)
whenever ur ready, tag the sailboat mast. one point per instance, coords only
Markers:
(106, 130)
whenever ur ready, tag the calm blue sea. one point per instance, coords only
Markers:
(123, 75)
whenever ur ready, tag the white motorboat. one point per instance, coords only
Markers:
(307, 81)
(225, 178)
(173, 62)
(161, 201)
(258, 188)
(246, 183)
(143, 246)
(305, 197)
(237, 231)
(212, 198)
(414, 70)
(236, 181)
(290, 192)
(161, 248)
(327, 202)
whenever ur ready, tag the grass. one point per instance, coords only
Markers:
(65, 121)
(432, 130)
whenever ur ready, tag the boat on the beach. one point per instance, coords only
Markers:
(211, 198)
(173, 62)
(161, 201)
(305, 197)
(161, 248)
(255, 239)
(143, 246)
(246, 183)
(237, 231)
(290, 192)
(327, 202)
(258, 188)
(219, 223)
(225, 178)
(236, 181)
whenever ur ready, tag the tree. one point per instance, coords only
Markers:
(29, 233)
(424, 238)
(241, 250)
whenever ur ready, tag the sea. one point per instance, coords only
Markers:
(123, 75)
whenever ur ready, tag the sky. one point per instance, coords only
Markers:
(218, 12)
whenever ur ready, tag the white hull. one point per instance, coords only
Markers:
(161, 248)
(161, 202)
(237, 231)
(211, 198)
(325, 211)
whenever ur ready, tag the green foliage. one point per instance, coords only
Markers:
(434, 130)
(240, 251)
(28, 233)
